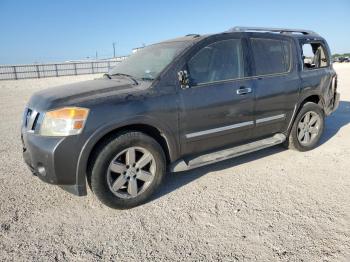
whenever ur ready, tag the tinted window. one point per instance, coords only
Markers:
(218, 61)
(271, 56)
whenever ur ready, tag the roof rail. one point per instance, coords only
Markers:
(193, 35)
(271, 29)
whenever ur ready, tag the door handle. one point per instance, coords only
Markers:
(243, 90)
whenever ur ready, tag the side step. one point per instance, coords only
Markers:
(206, 159)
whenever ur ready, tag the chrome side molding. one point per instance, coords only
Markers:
(219, 129)
(234, 126)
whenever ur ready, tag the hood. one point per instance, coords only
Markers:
(77, 93)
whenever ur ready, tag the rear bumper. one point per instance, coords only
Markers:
(53, 160)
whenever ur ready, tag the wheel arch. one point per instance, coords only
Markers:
(314, 98)
(309, 97)
(293, 141)
(163, 137)
(147, 129)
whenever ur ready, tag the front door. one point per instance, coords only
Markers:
(217, 109)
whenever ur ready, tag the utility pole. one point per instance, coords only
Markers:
(113, 49)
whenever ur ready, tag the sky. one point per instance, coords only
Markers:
(50, 31)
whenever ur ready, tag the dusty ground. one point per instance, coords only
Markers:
(271, 205)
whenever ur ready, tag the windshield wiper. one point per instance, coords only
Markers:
(129, 76)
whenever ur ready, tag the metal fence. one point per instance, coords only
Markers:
(14, 72)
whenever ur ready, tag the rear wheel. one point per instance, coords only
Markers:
(307, 128)
(127, 170)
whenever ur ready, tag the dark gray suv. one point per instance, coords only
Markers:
(178, 105)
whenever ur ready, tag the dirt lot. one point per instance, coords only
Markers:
(271, 205)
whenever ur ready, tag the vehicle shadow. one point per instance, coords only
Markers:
(340, 118)
(173, 181)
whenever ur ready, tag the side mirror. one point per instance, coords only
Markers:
(183, 79)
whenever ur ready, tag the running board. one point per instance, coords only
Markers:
(206, 159)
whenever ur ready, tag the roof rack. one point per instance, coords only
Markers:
(193, 35)
(271, 29)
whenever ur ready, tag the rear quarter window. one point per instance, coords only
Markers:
(271, 56)
(314, 56)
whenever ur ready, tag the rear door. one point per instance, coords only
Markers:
(277, 83)
(217, 109)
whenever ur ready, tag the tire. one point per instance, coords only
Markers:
(115, 176)
(300, 126)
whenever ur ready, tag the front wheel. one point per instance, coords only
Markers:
(127, 170)
(307, 128)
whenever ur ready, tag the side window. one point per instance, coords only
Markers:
(271, 56)
(314, 56)
(218, 61)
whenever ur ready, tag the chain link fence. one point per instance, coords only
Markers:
(14, 72)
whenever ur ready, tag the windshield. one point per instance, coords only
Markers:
(149, 62)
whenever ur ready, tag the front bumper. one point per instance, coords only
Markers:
(53, 160)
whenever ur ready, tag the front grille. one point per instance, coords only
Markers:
(30, 119)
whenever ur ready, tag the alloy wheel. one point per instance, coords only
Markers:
(308, 128)
(131, 172)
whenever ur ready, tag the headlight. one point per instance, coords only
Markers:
(64, 121)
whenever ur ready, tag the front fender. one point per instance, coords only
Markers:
(98, 134)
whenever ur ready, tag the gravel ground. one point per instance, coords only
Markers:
(272, 205)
